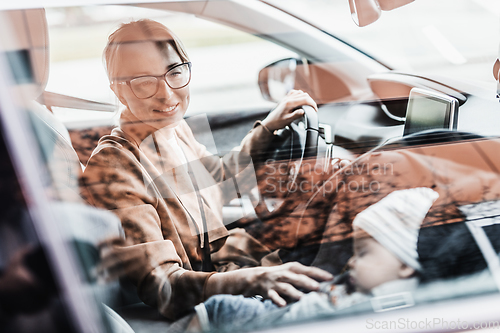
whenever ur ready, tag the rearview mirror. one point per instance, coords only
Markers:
(278, 78)
(365, 12)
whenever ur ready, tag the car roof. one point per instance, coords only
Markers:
(27, 4)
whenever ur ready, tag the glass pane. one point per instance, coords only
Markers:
(30, 294)
(225, 61)
(431, 38)
(146, 213)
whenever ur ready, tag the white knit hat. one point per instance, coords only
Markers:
(395, 221)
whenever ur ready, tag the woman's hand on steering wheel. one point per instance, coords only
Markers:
(286, 111)
(281, 283)
(338, 163)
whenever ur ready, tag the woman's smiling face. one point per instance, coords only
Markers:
(167, 107)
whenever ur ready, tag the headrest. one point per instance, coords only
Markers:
(26, 45)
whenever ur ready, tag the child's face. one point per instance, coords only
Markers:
(371, 265)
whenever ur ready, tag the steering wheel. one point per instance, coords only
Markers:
(291, 146)
(298, 140)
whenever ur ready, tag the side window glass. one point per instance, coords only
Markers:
(226, 61)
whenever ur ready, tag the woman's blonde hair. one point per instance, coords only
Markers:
(144, 30)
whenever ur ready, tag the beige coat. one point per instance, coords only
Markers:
(159, 210)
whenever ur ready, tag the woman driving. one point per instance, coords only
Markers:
(144, 173)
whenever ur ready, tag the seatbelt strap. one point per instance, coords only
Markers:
(207, 265)
(206, 260)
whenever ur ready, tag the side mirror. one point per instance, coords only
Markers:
(496, 74)
(496, 70)
(278, 78)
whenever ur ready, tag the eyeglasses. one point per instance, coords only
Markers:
(176, 77)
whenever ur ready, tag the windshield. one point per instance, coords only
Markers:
(454, 38)
(203, 206)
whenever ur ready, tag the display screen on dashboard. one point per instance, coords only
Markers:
(428, 110)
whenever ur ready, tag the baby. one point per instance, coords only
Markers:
(385, 261)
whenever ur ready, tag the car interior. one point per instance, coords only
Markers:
(361, 114)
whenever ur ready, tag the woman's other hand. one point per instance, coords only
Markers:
(287, 111)
(278, 283)
(281, 283)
